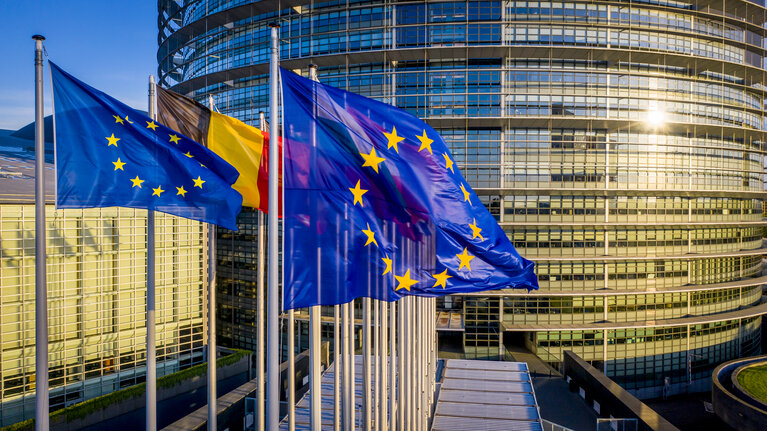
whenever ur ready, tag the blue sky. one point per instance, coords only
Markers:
(110, 45)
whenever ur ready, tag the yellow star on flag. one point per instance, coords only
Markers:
(393, 139)
(371, 236)
(112, 140)
(425, 142)
(476, 231)
(357, 192)
(404, 281)
(199, 182)
(151, 125)
(466, 194)
(126, 119)
(441, 279)
(174, 139)
(158, 191)
(118, 119)
(119, 164)
(181, 191)
(136, 182)
(188, 154)
(387, 261)
(448, 162)
(465, 259)
(372, 159)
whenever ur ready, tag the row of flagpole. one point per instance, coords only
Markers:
(398, 367)
(398, 339)
(42, 421)
(398, 379)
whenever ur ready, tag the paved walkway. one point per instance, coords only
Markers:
(561, 406)
(303, 418)
(689, 413)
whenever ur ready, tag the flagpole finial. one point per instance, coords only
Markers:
(38, 37)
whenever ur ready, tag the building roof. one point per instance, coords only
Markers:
(486, 395)
(17, 164)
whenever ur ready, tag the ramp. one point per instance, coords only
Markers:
(486, 395)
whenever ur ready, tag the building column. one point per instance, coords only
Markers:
(689, 272)
(604, 352)
(740, 337)
(501, 349)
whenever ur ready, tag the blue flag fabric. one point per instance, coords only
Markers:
(376, 207)
(108, 154)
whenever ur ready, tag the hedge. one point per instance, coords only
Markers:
(86, 408)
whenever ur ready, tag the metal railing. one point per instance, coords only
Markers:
(551, 426)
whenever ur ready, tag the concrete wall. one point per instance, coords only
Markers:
(173, 402)
(301, 365)
(612, 398)
(731, 403)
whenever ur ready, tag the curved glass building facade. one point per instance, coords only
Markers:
(621, 144)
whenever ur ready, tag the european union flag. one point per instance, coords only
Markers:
(108, 154)
(375, 206)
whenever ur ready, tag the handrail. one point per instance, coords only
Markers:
(551, 426)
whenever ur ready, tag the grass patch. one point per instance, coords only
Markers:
(754, 381)
(85, 408)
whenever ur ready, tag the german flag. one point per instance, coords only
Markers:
(243, 146)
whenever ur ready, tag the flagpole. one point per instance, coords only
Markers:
(366, 392)
(151, 349)
(212, 411)
(412, 363)
(420, 374)
(376, 403)
(315, 315)
(273, 296)
(427, 355)
(345, 371)
(411, 352)
(291, 336)
(352, 370)
(349, 365)
(418, 370)
(260, 294)
(401, 362)
(434, 347)
(383, 362)
(212, 419)
(315, 352)
(42, 413)
(393, 365)
(422, 359)
(422, 350)
(336, 367)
